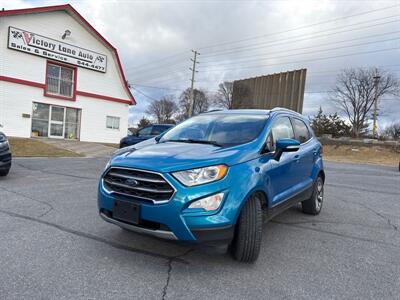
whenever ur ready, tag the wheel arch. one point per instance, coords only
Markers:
(322, 174)
(264, 200)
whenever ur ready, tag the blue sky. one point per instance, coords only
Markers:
(240, 39)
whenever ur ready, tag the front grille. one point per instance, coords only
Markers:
(138, 184)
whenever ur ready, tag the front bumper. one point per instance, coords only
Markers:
(173, 221)
(164, 234)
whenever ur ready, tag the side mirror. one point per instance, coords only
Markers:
(285, 145)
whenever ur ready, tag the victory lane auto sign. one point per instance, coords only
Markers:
(28, 42)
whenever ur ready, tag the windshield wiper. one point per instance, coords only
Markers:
(214, 143)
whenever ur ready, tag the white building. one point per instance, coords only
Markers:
(60, 78)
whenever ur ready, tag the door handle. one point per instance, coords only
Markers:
(296, 158)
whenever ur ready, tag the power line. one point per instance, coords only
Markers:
(335, 71)
(158, 75)
(299, 28)
(326, 73)
(318, 45)
(310, 52)
(145, 65)
(309, 74)
(156, 87)
(156, 67)
(161, 59)
(307, 60)
(143, 94)
(291, 40)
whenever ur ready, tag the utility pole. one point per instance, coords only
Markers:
(375, 126)
(193, 69)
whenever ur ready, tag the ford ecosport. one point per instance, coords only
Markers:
(215, 178)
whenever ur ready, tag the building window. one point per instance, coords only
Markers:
(55, 121)
(112, 122)
(60, 80)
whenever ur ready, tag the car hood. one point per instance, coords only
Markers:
(174, 156)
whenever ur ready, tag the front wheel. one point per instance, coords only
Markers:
(246, 244)
(313, 205)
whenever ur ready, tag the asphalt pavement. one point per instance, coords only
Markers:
(54, 245)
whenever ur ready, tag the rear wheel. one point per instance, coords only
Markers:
(246, 244)
(313, 205)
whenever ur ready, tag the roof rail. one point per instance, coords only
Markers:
(213, 110)
(284, 109)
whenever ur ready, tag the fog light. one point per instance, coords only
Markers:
(209, 203)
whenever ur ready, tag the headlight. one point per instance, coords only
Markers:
(209, 203)
(201, 175)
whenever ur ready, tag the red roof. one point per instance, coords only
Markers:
(69, 9)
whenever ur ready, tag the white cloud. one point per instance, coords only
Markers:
(146, 31)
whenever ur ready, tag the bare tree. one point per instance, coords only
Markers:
(201, 103)
(355, 93)
(223, 97)
(143, 122)
(163, 110)
(392, 131)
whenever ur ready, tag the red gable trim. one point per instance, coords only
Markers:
(70, 9)
(80, 93)
(24, 82)
(103, 97)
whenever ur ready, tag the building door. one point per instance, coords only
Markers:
(56, 124)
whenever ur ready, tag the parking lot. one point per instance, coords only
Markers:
(54, 246)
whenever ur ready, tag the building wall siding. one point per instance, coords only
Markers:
(16, 99)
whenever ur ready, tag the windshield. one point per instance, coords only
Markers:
(218, 129)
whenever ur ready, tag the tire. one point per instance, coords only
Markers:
(4, 172)
(313, 205)
(246, 244)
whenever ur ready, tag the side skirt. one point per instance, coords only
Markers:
(286, 204)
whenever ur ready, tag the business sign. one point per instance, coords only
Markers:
(28, 42)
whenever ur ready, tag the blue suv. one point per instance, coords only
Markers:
(215, 178)
(143, 134)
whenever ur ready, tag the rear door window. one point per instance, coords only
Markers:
(302, 134)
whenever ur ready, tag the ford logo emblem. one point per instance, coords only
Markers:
(131, 182)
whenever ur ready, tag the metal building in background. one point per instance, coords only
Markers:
(284, 89)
